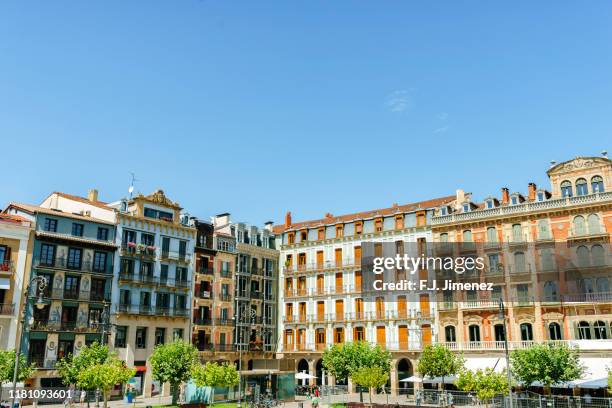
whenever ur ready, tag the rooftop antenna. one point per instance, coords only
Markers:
(131, 188)
(604, 153)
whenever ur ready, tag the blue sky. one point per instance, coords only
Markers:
(261, 107)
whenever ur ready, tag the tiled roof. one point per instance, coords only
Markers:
(365, 214)
(13, 218)
(99, 204)
(34, 209)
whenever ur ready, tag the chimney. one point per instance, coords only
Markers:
(92, 195)
(459, 198)
(329, 215)
(288, 219)
(531, 192)
(505, 195)
(268, 225)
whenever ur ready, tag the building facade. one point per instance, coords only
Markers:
(547, 254)
(321, 303)
(151, 300)
(74, 252)
(15, 264)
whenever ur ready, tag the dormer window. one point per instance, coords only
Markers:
(514, 200)
(490, 203)
(466, 207)
(443, 211)
(540, 196)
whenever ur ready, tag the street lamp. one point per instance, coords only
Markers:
(241, 318)
(41, 284)
(502, 315)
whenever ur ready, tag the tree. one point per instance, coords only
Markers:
(70, 367)
(7, 367)
(172, 363)
(215, 375)
(105, 376)
(610, 380)
(438, 361)
(370, 377)
(546, 363)
(485, 383)
(342, 360)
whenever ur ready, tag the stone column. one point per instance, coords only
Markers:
(393, 376)
(312, 371)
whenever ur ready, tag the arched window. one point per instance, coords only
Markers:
(543, 230)
(491, 234)
(547, 259)
(584, 331)
(566, 189)
(597, 184)
(579, 225)
(500, 332)
(467, 236)
(582, 253)
(449, 332)
(550, 291)
(517, 234)
(444, 237)
(554, 331)
(474, 331)
(599, 328)
(602, 284)
(581, 187)
(519, 262)
(586, 285)
(526, 332)
(593, 223)
(598, 255)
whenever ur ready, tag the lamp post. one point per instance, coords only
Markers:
(502, 315)
(241, 318)
(41, 284)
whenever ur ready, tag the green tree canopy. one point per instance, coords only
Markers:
(343, 360)
(7, 367)
(70, 366)
(438, 361)
(371, 377)
(172, 363)
(485, 383)
(105, 376)
(215, 375)
(546, 363)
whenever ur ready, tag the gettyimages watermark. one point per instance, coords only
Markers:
(522, 272)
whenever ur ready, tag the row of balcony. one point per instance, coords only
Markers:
(354, 316)
(150, 310)
(257, 295)
(206, 294)
(321, 266)
(256, 346)
(154, 280)
(65, 263)
(39, 361)
(389, 345)
(205, 270)
(526, 300)
(213, 322)
(322, 291)
(256, 272)
(76, 294)
(149, 251)
(54, 325)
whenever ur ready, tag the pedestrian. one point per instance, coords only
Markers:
(82, 397)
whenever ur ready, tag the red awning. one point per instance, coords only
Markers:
(140, 368)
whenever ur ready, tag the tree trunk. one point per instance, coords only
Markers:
(370, 391)
(173, 393)
(105, 395)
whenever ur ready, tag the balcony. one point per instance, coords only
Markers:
(225, 297)
(205, 270)
(7, 309)
(222, 348)
(6, 267)
(226, 274)
(140, 250)
(205, 321)
(583, 345)
(174, 256)
(479, 304)
(149, 310)
(71, 294)
(41, 362)
(224, 322)
(63, 263)
(599, 297)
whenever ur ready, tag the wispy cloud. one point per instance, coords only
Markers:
(399, 101)
(441, 129)
(443, 116)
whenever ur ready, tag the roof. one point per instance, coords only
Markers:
(13, 218)
(99, 204)
(36, 209)
(396, 209)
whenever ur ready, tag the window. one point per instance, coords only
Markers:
(598, 256)
(500, 332)
(599, 328)
(339, 231)
(321, 233)
(359, 334)
(491, 234)
(97, 289)
(102, 234)
(443, 211)
(519, 262)
(593, 223)
(579, 225)
(165, 247)
(177, 334)
(77, 229)
(566, 189)
(162, 215)
(444, 237)
(514, 200)
(141, 337)
(554, 331)
(99, 261)
(474, 331)
(540, 196)
(597, 184)
(517, 233)
(581, 187)
(47, 254)
(121, 336)
(399, 221)
(182, 249)
(583, 256)
(50, 225)
(584, 331)
(339, 335)
(74, 258)
(543, 230)
(378, 225)
(490, 203)
(449, 333)
(147, 239)
(160, 335)
(127, 237)
(303, 236)
(467, 236)
(526, 332)
(550, 291)
(124, 297)
(291, 238)
(466, 207)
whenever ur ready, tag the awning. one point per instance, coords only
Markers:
(473, 364)
(412, 379)
(140, 368)
(596, 373)
(5, 283)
